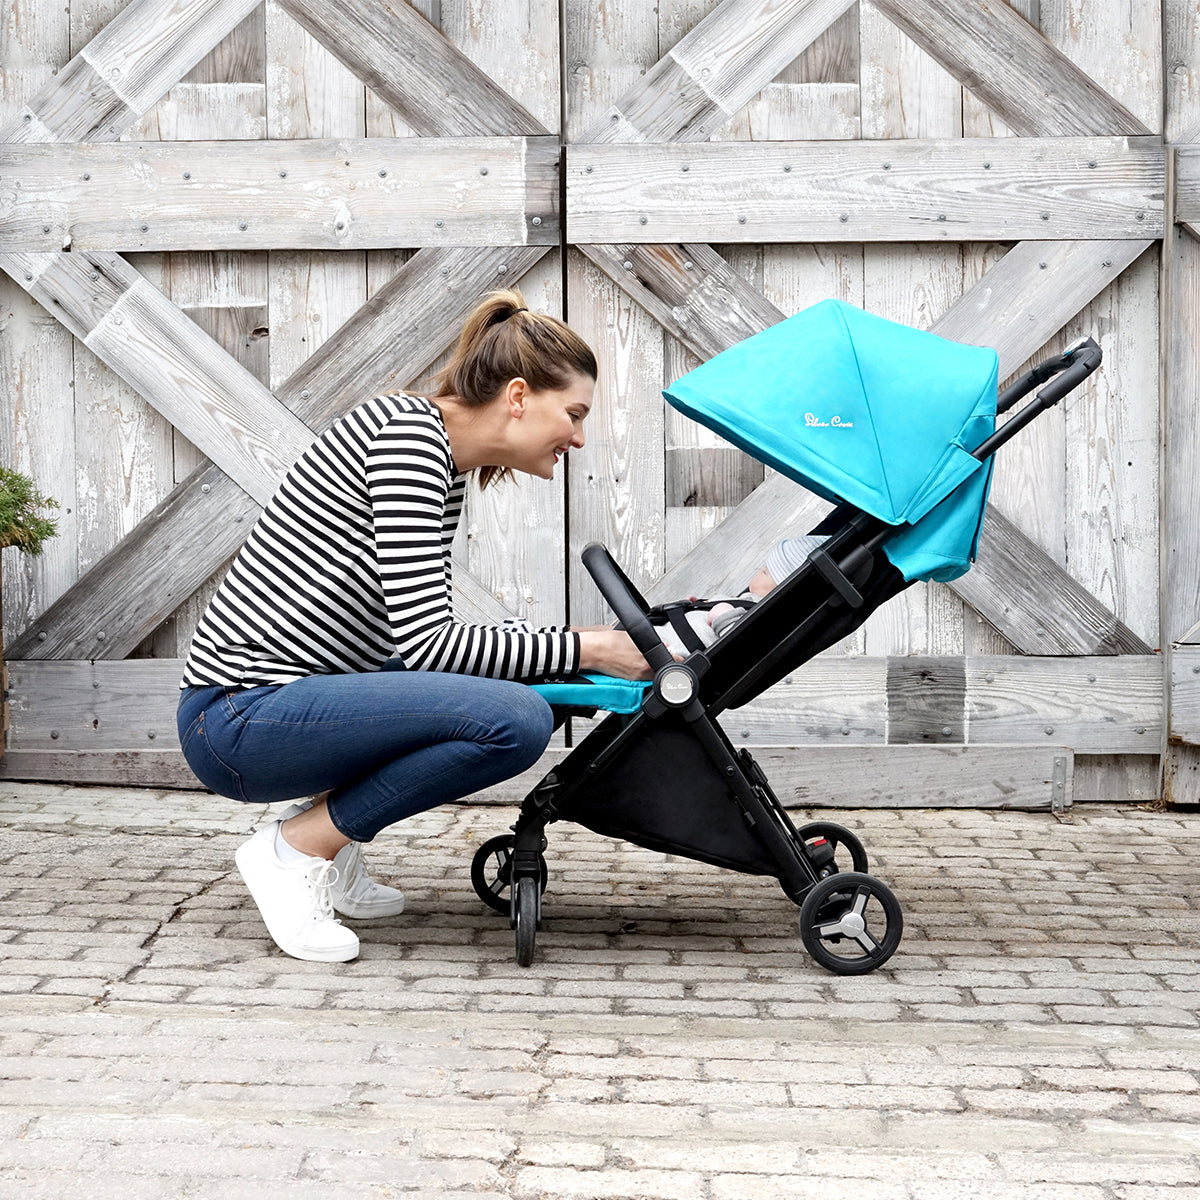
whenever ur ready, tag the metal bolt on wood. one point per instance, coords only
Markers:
(187, 174)
(206, 488)
(242, 225)
(536, 221)
(502, 269)
(54, 734)
(1049, 729)
(86, 176)
(439, 223)
(689, 266)
(282, 174)
(304, 395)
(483, 170)
(93, 274)
(101, 636)
(741, 220)
(989, 678)
(645, 220)
(151, 734)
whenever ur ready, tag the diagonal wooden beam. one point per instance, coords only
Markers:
(179, 545)
(125, 69)
(411, 65)
(718, 67)
(1017, 306)
(1187, 188)
(196, 384)
(992, 50)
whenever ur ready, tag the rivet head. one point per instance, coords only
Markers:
(1140, 216)
(445, 271)
(990, 677)
(28, 276)
(1107, 262)
(787, 166)
(1045, 216)
(845, 733)
(1091, 677)
(741, 220)
(685, 167)
(340, 225)
(101, 636)
(483, 170)
(1091, 164)
(1042, 265)
(987, 166)
(383, 173)
(1140, 729)
(96, 683)
(43, 636)
(689, 265)
(887, 166)
(844, 218)
(627, 265)
(145, 228)
(1196, 670)
(304, 395)
(187, 174)
(93, 274)
(206, 488)
(87, 175)
(242, 226)
(645, 220)
(282, 174)
(941, 216)
(151, 735)
(946, 731)
(1049, 729)
(54, 734)
(502, 269)
(439, 223)
(536, 221)
(588, 170)
(1040, 631)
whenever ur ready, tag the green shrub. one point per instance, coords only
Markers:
(20, 523)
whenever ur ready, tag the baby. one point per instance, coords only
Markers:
(710, 624)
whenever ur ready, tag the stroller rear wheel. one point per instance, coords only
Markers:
(525, 920)
(851, 923)
(849, 854)
(491, 872)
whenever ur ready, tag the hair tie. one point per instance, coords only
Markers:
(513, 314)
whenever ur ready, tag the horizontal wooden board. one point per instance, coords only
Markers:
(1100, 705)
(1185, 694)
(312, 194)
(1008, 777)
(1187, 187)
(968, 189)
(807, 777)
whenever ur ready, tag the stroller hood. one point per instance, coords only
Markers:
(860, 409)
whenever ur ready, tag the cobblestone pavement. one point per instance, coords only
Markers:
(1036, 1037)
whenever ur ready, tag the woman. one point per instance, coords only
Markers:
(329, 661)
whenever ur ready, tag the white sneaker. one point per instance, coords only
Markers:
(355, 894)
(294, 900)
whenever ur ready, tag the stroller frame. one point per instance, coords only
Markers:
(850, 922)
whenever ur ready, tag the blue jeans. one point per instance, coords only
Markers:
(386, 744)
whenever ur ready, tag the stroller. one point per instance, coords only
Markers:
(897, 428)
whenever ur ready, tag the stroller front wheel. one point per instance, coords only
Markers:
(491, 872)
(851, 923)
(526, 919)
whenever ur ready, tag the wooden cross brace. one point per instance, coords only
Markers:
(721, 64)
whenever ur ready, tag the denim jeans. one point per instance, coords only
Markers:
(386, 744)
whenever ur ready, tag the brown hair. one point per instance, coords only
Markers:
(503, 340)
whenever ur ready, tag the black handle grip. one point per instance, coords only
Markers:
(627, 602)
(1085, 358)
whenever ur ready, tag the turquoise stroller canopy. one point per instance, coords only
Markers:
(863, 410)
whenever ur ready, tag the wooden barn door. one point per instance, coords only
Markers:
(236, 220)
(992, 173)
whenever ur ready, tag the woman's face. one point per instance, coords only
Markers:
(550, 424)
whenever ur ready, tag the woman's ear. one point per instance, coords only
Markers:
(514, 394)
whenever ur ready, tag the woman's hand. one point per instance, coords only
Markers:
(612, 652)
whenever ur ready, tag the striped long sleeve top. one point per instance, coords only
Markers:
(349, 566)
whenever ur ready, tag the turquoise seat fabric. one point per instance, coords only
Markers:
(594, 691)
(864, 410)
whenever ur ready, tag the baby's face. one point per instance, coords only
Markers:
(762, 583)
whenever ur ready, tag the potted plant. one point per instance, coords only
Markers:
(22, 524)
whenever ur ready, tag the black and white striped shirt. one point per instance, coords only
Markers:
(349, 565)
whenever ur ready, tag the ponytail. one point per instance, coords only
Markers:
(503, 340)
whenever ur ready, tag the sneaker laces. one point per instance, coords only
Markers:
(321, 878)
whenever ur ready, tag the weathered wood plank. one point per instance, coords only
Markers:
(304, 194)
(1187, 187)
(203, 392)
(124, 69)
(708, 307)
(1185, 694)
(955, 189)
(1009, 65)
(1109, 705)
(187, 537)
(1181, 70)
(119, 768)
(714, 70)
(1008, 587)
(408, 63)
(1008, 777)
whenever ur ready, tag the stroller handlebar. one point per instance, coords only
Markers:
(627, 602)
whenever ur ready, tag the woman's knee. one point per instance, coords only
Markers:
(525, 724)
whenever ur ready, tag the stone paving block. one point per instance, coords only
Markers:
(605, 1184)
